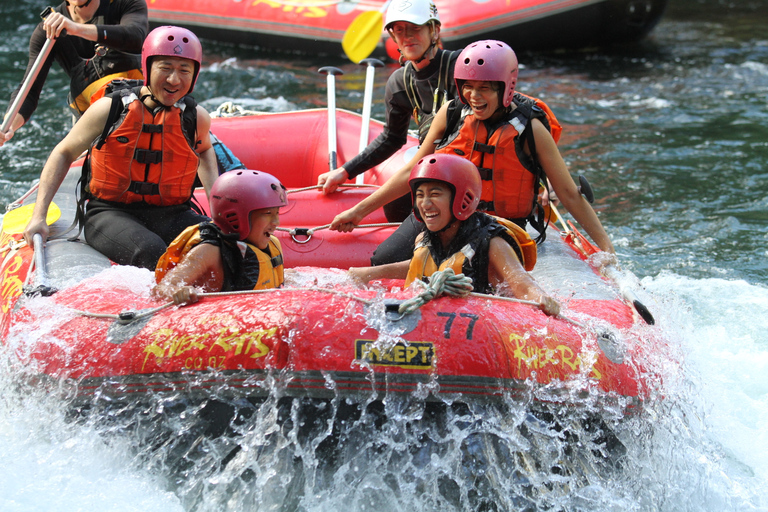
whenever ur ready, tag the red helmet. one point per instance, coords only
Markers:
(488, 61)
(458, 172)
(235, 194)
(171, 42)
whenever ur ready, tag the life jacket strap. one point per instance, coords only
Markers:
(486, 174)
(148, 156)
(484, 148)
(152, 128)
(486, 206)
(144, 188)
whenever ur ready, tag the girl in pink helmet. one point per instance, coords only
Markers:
(506, 135)
(237, 251)
(494, 253)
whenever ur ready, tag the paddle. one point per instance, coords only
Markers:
(371, 65)
(16, 220)
(609, 270)
(42, 285)
(331, 83)
(364, 34)
(31, 77)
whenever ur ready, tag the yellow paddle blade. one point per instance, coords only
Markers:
(16, 220)
(363, 35)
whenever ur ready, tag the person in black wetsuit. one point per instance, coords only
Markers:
(103, 41)
(417, 90)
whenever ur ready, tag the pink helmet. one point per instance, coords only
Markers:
(458, 172)
(171, 41)
(488, 61)
(235, 194)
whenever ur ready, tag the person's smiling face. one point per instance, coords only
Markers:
(482, 97)
(171, 78)
(264, 222)
(413, 40)
(433, 200)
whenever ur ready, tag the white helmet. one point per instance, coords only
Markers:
(418, 12)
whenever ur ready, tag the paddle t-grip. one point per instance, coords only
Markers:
(586, 189)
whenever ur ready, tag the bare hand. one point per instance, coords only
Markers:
(6, 136)
(603, 259)
(185, 295)
(346, 221)
(54, 23)
(332, 179)
(34, 227)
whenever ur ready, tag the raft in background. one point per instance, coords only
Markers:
(101, 338)
(318, 26)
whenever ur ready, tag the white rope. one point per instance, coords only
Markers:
(310, 231)
(345, 185)
(132, 316)
(441, 282)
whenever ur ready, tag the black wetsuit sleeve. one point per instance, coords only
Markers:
(395, 134)
(126, 27)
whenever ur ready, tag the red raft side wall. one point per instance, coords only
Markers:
(476, 346)
(295, 147)
(319, 27)
(13, 273)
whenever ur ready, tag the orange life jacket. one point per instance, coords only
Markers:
(511, 179)
(146, 157)
(268, 274)
(423, 262)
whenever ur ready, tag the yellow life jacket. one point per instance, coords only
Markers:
(258, 269)
(96, 90)
(423, 263)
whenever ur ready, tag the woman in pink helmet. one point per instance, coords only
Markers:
(506, 135)
(417, 90)
(102, 43)
(237, 251)
(495, 254)
(138, 200)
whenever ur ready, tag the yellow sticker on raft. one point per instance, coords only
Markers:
(16, 220)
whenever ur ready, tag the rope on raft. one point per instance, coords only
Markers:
(310, 231)
(441, 282)
(131, 316)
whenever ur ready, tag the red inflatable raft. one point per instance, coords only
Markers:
(319, 25)
(100, 335)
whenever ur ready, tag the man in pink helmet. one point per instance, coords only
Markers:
(102, 42)
(237, 251)
(146, 143)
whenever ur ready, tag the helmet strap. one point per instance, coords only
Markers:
(158, 105)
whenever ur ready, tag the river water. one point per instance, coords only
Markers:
(673, 135)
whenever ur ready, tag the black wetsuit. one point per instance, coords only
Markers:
(122, 27)
(399, 108)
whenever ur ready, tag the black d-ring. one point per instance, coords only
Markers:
(301, 232)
